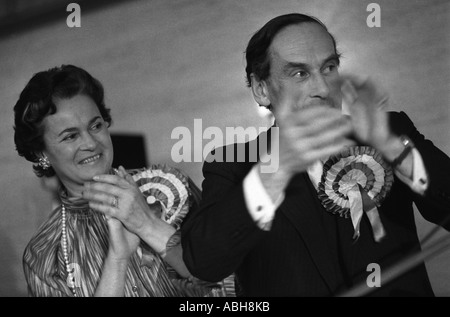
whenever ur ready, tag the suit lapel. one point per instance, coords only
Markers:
(303, 211)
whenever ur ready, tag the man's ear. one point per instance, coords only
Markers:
(260, 91)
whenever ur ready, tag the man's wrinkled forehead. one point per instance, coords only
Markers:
(302, 40)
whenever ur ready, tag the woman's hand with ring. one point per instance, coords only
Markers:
(130, 207)
(122, 242)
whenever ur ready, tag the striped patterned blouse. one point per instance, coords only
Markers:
(87, 238)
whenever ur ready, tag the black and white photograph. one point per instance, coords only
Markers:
(231, 149)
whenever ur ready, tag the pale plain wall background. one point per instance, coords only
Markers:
(164, 63)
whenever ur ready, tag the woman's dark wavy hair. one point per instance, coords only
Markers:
(257, 52)
(37, 101)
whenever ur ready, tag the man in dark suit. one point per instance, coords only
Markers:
(276, 230)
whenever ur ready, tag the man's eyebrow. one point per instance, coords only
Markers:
(333, 57)
(75, 129)
(293, 65)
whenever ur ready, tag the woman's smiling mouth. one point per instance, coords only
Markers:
(90, 159)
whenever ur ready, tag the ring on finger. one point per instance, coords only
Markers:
(115, 202)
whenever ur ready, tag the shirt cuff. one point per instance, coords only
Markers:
(419, 181)
(258, 201)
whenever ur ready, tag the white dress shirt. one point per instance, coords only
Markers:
(262, 208)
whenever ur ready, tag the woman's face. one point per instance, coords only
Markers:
(77, 142)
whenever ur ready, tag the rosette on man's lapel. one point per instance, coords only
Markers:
(354, 181)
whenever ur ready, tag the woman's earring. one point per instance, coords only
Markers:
(44, 163)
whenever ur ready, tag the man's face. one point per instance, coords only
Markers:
(303, 69)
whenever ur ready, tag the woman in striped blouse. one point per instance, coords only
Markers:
(114, 232)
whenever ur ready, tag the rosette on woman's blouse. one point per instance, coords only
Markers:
(169, 187)
(354, 181)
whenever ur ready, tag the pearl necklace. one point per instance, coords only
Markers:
(70, 278)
